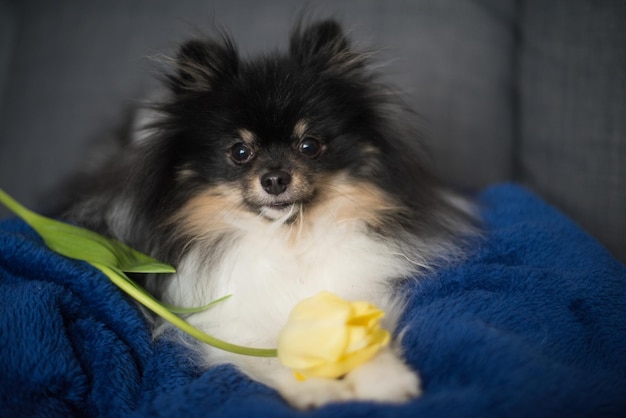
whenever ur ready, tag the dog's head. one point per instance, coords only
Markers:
(269, 134)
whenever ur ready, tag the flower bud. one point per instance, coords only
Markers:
(326, 336)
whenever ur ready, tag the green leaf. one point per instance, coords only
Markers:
(81, 244)
(184, 311)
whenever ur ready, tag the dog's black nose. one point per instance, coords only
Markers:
(275, 182)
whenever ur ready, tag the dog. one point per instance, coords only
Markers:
(274, 178)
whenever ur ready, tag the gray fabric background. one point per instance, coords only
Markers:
(530, 91)
(572, 111)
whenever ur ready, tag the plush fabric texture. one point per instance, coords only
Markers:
(532, 324)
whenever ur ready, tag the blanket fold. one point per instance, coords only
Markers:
(533, 323)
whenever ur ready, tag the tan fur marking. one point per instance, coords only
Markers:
(342, 201)
(247, 136)
(209, 213)
(369, 149)
(300, 129)
(185, 174)
(356, 201)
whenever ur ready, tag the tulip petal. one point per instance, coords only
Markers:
(326, 336)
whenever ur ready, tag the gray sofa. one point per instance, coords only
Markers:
(531, 91)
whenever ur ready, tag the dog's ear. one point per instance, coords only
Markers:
(202, 64)
(324, 46)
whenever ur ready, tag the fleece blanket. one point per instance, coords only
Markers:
(532, 324)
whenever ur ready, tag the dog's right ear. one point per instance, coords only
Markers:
(324, 46)
(202, 64)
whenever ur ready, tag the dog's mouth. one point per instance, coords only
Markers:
(283, 207)
(280, 205)
(283, 212)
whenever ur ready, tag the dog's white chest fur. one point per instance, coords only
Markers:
(269, 267)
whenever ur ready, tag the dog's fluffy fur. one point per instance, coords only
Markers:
(272, 179)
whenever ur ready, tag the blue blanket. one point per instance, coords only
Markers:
(533, 324)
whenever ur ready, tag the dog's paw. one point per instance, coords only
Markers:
(313, 393)
(383, 379)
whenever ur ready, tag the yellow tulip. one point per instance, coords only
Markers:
(326, 336)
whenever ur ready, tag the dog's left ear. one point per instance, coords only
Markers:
(324, 46)
(203, 64)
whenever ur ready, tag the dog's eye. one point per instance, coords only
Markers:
(241, 153)
(311, 147)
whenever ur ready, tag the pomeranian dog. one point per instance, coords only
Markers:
(272, 179)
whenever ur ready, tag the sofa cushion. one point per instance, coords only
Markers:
(573, 111)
